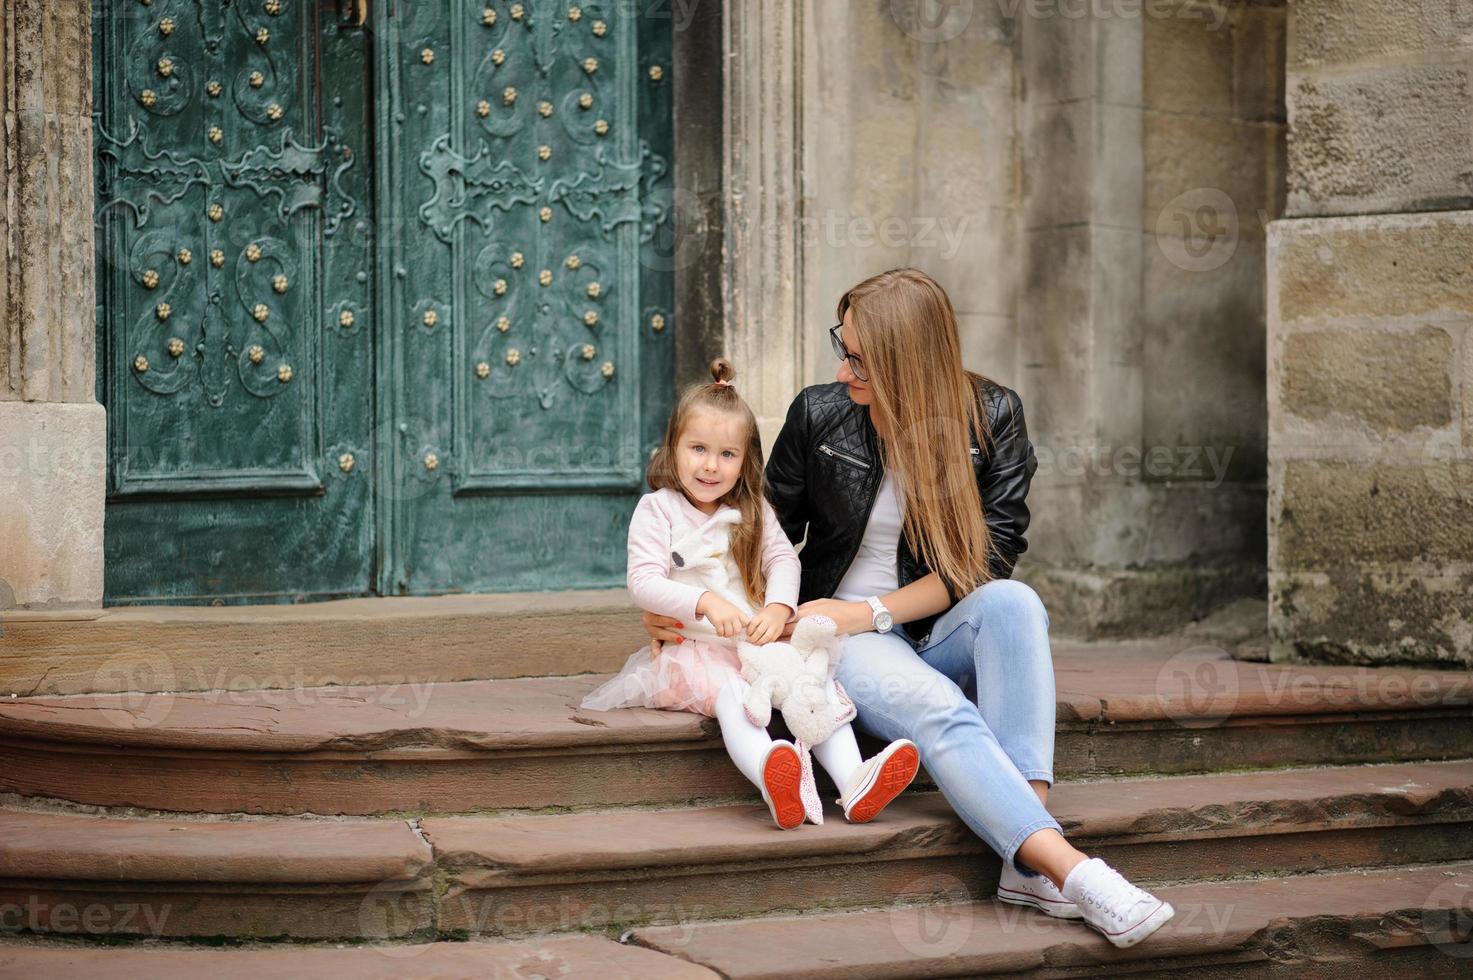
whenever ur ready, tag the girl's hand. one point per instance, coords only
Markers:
(662, 630)
(727, 619)
(767, 625)
(848, 617)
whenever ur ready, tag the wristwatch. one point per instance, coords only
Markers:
(882, 620)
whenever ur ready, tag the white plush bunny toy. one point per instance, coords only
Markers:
(796, 677)
(702, 557)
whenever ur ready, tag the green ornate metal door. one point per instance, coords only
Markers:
(526, 152)
(235, 299)
(381, 302)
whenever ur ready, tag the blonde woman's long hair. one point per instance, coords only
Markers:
(927, 404)
(750, 489)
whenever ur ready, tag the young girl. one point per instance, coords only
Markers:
(706, 548)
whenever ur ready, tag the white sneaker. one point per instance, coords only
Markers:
(879, 779)
(1120, 910)
(1035, 891)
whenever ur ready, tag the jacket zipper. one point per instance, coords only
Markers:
(828, 450)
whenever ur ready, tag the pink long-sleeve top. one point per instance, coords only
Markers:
(660, 518)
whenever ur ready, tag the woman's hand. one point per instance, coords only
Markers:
(767, 625)
(726, 618)
(848, 617)
(662, 630)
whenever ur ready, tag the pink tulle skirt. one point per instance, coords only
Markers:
(684, 677)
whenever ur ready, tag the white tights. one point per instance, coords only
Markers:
(746, 743)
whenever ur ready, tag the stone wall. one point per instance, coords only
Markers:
(1091, 185)
(1154, 138)
(1370, 350)
(910, 157)
(52, 431)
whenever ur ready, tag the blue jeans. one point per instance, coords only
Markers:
(978, 701)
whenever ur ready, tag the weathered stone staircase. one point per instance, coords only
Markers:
(339, 790)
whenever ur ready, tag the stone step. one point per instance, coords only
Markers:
(402, 639)
(557, 956)
(307, 878)
(526, 873)
(1391, 923)
(523, 743)
(93, 875)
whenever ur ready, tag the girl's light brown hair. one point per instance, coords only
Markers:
(926, 403)
(748, 493)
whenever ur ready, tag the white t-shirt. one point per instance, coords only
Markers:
(873, 570)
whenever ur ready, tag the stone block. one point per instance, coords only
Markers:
(1216, 400)
(1392, 382)
(990, 346)
(969, 146)
(1372, 266)
(1233, 168)
(1053, 311)
(53, 468)
(1115, 170)
(1374, 616)
(1465, 385)
(972, 252)
(1258, 63)
(1058, 57)
(1392, 138)
(980, 56)
(1334, 515)
(1058, 144)
(1187, 68)
(1134, 602)
(1330, 32)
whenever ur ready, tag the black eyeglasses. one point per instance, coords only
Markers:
(842, 353)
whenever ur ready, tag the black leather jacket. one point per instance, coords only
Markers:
(825, 472)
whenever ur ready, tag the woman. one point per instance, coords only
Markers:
(908, 477)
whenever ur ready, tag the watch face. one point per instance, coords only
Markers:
(883, 622)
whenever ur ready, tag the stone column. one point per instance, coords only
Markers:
(1151, 142)
(762, 141)
(53, 437)
(1370, 353)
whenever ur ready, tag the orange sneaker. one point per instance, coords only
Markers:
(782, 779)
(880, 779)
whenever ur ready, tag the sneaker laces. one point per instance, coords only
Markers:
(1112, 893)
